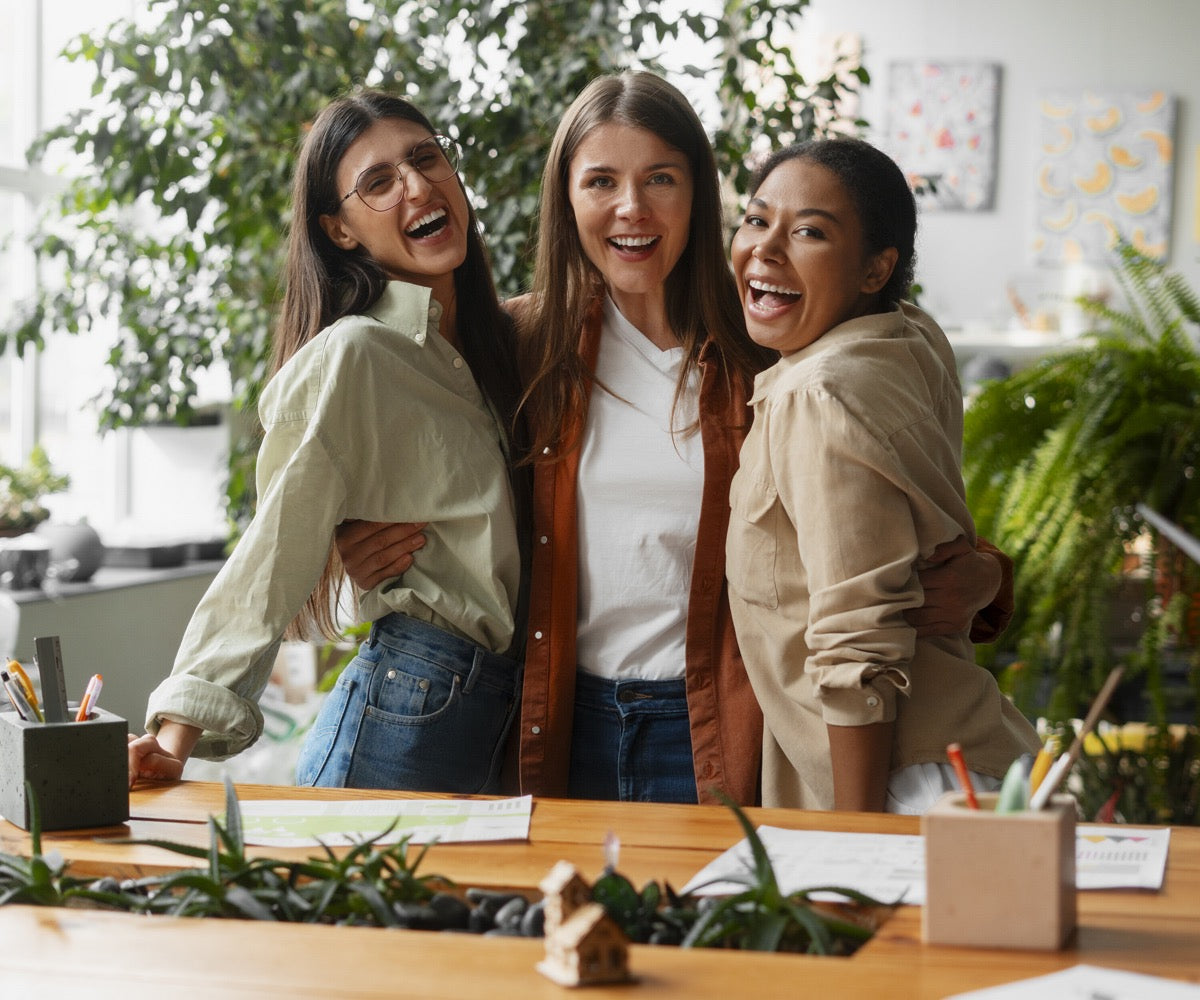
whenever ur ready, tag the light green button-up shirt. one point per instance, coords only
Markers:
(377, 418)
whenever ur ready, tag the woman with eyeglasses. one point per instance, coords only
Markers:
(393, 391)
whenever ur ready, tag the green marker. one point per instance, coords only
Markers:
(1014, 790)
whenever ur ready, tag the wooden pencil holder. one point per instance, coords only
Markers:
(79, 771)
(999, 880)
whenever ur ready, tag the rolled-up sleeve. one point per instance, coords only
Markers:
(229, 647)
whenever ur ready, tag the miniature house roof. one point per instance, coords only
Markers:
(583, 923)
(559, 877)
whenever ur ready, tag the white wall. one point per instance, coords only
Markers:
(966, 258)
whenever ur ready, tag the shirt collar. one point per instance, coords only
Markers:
(409, 308)
(871, 327)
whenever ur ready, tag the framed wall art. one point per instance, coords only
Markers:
(1103, 171)
(943, 119)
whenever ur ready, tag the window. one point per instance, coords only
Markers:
(45, 397)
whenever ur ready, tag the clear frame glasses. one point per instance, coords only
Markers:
(382, 186)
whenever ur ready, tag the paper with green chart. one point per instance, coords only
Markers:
(336, 823)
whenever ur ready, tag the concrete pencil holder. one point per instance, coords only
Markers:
(79, 771)
(999, 880)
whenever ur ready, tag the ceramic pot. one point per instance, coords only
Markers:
(23, 562)
(76, 551)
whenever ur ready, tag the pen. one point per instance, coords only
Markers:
(22, 678)
(1059, 769)
(17, 697)
(954, 752)
(88, 701)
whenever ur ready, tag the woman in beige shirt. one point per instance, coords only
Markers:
(849, 480)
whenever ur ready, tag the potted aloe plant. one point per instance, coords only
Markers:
(1057, 459)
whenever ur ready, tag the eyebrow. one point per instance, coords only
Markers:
(799, 213)
(604, 168)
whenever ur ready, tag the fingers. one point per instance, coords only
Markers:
(948, 550)
(148, 760)
(373, 551)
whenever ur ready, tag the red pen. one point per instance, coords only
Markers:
(954, 752)
(88, 702)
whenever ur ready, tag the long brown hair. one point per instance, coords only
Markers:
(701, 295)
(325, 282)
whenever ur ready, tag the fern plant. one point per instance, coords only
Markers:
(1056, 460)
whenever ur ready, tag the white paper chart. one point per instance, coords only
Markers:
(312, 822)
(891, 867)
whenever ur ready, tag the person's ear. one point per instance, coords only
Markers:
(879, 270)
(337, 232)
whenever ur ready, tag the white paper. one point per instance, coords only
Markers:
(337, 823)
(1088, 982)
(1120, 857)
(891, 867)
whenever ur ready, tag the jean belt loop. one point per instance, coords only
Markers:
(476, 669)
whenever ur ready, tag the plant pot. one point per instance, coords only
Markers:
(76, 550)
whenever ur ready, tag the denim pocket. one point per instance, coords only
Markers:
(422, 732)
(410, 689)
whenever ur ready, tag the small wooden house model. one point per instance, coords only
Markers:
(583, 944)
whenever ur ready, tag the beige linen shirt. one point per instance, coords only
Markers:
(378, 417)
(849, 477)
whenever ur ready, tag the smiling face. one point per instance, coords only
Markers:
(423, 238)
(801, 262)
(631, 194)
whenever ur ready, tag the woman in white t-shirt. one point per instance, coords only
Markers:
(638, 369)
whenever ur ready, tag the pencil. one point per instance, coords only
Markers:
(954, 752)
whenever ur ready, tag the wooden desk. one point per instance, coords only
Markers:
(45, 952)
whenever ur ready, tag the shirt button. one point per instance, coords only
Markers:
(391, 675)
(537, 635)
(546, 450)
(543, 539)
(419, 338)
(457, 362)
(536, 730)
(872, 701)
(423, 684)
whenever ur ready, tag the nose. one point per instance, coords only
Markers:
(416, 184)
(768, 247)
(631, 204)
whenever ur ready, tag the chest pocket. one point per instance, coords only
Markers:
(752, 549)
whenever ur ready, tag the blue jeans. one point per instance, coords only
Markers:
(631, 741)
(419, 709)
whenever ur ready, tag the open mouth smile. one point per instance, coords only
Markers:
(428, 224)
(769, 296)
(634, 245)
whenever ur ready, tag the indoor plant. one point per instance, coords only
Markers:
(22, 489)
(1057, 459)
(377, 885)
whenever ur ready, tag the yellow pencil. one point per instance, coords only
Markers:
(1041, 765)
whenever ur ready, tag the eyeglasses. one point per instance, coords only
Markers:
(382, 186)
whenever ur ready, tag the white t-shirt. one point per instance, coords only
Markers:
(639, 497)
